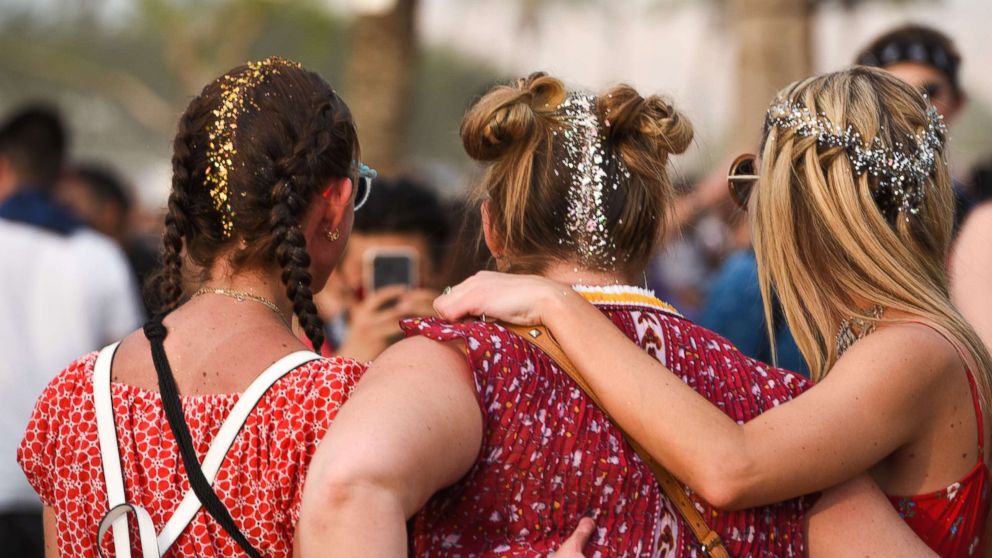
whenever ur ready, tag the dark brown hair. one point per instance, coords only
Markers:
(295, 135)
(915, 43)
(34, 140)
(516, 130)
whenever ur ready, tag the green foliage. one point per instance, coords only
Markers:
(445, 86)
(123, 80)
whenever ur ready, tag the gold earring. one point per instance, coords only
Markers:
(332, 236)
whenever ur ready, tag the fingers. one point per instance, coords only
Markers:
(573, 545)
(454, 305)
(384, 296)
(457, 303)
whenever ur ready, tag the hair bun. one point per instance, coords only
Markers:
(507, 116)
(629, 117)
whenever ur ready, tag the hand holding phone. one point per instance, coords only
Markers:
(390, 266)
(374, 324)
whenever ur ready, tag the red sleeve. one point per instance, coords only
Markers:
(38, 449)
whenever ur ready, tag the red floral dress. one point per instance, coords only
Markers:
(952, 520)
(550, 456)
(260, 482)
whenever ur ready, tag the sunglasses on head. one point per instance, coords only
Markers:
(362, 179)
(741, 178)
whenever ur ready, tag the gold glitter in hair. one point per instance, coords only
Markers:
(221, 151)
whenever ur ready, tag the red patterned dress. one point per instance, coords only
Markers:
(550, 456)
(952, 520)
(260, 481)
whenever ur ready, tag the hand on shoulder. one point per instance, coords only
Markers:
(518, 299)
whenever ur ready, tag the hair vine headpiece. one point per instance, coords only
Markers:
(221, 149)
(587, 158)
(902, 173)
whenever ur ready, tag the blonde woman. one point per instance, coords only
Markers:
(852, 218)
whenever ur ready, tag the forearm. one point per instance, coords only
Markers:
(367, 520)
(51, 532)
(801, 446)
(681, 429)
(855, 519)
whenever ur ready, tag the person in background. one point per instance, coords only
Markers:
(466, 252)
(971, 262)
(64, 289)
(734, 310)
(402, 215)
(928, 60)
(98, 196)
(981, 181)
(102, 200)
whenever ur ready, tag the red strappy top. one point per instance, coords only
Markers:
(952, 520)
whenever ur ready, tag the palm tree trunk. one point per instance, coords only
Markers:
(379, 79)
(774, 49)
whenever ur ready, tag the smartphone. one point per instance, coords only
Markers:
(390, 266)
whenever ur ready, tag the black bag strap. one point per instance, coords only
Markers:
(155, 332)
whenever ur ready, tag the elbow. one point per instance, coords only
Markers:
(350, 488)
(725, 483)
(345, 487)
(338, 493)
(722, 495)
(340, 506)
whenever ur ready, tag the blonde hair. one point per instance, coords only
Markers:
(521, 135)
(828, 241)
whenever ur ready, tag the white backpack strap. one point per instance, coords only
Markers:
(225, 437)
(109, 452)
(146, 529)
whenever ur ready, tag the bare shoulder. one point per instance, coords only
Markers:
(422, 353)
(980, 219)
(916, 353)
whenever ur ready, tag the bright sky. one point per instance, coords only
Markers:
(683, 50)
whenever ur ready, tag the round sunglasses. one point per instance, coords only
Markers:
(742, 177)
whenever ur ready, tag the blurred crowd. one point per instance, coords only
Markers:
(77, 248)
(707, 269)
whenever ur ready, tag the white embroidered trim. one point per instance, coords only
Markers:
(613, 289)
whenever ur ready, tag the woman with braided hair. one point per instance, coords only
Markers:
(265, 183)
(852, 210)
(489, 437)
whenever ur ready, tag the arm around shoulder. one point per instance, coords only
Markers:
(411, 427)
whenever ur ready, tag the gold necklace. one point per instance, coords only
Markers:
(846, 336)
(242, 296)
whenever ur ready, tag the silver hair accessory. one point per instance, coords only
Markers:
(902, 171)
(587, 160)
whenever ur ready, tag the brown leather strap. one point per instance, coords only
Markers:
(709, 540)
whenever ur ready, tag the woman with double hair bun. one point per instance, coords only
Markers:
(489, 438)
(217, 402)
(852, 211)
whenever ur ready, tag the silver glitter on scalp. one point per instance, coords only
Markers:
(902, 173)
(586, 160)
